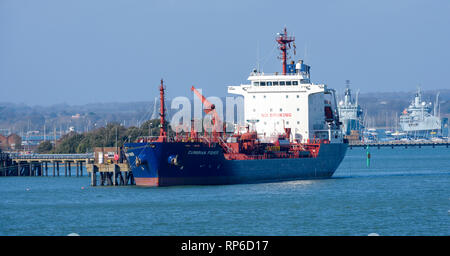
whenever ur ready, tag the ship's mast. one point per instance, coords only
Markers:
(162, 125)
(284, 42)
(347, 97)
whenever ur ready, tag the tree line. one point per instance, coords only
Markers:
(112, 135)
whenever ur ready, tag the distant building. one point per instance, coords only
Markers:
(108, 155)
(10, 142)
(77, 116)
(3, 142)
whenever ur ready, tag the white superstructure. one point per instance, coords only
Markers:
(273, 102)
(288, 103)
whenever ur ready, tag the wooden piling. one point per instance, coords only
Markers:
(121, 179)
(114, 177)
(102, 178)
(109, 179)
(93, 178)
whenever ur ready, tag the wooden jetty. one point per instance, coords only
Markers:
(111, 173)
(38, 164)
(5, 162)
(398, 143)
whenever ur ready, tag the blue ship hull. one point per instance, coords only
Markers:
(168, 164)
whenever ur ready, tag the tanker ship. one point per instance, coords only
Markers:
(291, 132)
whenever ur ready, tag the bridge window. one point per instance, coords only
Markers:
(263, 83)
(282, 83)
(275, 83)
(256, 83)
(288, 83)
(304, 81)
(269, 83)
(294, 82)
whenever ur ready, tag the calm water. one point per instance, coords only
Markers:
(404, 192)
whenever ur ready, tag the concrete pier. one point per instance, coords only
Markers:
(114, 174)
(111, 166)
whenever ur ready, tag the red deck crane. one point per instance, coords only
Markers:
(210, 109)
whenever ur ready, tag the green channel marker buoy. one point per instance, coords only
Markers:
(368, 156)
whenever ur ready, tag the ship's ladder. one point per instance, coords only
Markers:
(224, 145)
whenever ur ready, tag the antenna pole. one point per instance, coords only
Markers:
(257, 56)
(284, 42)
(162, 125)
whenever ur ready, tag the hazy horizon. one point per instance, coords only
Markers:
(409, 94)
(87, 52)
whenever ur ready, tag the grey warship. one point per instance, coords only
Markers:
(351, 115)
(421, 119)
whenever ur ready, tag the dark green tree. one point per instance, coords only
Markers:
(69, 143)
(44, 147)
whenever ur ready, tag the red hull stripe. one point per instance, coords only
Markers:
(148, 182)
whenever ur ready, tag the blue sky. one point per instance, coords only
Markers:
(87, 51)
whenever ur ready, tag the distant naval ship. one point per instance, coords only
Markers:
(350, 114)
(418, 120)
